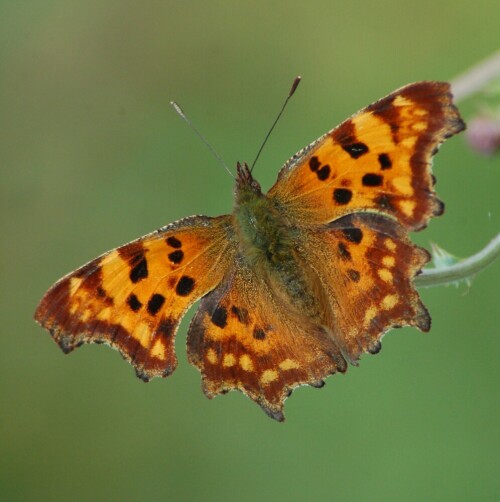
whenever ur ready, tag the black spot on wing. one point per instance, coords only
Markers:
(155, 303)
(372, 180)
(219, 317)
(140, 270)
(259, 334)
(314, 164)
(134, 303)
(353, 234)
(185, 285)
(176, 256)
(345, 136)
(355, 150)
(134, 255)
(342, 196)
(384, 161)
(174, 242)
(323, 173)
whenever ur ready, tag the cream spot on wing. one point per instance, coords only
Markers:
(128, 321)
(419, 126)
(420, 112)
(142, 333)
(388, 261)
(288, 364)
(389, 301)
(407, 206)
(268, 376)
(86, 315)
(246, 363)
(104, 314)
(390, 245)
(385, 275)
(370, 313)
(403, 185)
(400, 101)
(158, 350)
(229, 360)
(409, 142)
(211, 356)
(74, 284)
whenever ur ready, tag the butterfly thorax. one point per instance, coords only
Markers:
(268, 243)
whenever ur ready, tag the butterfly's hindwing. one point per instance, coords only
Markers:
(243, 338)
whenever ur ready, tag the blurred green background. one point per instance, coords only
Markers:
(92, 156)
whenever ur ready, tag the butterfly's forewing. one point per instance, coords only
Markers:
(243, 338)
(134, 297)
(378, 160)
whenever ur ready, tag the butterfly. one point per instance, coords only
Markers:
(296, 283)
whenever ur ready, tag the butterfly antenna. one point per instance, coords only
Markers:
(295, 84)
(179, 111)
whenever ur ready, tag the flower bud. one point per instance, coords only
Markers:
(483, 135)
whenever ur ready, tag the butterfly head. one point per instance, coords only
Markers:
(245, 183)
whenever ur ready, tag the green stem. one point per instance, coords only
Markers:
(461, 270)
(470, 82)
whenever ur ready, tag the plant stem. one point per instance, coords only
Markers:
(476, 78)
(463, 86)
(462, 270)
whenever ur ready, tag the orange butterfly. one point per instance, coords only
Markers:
(295, 283)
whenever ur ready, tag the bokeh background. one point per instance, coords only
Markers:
(92, 156)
